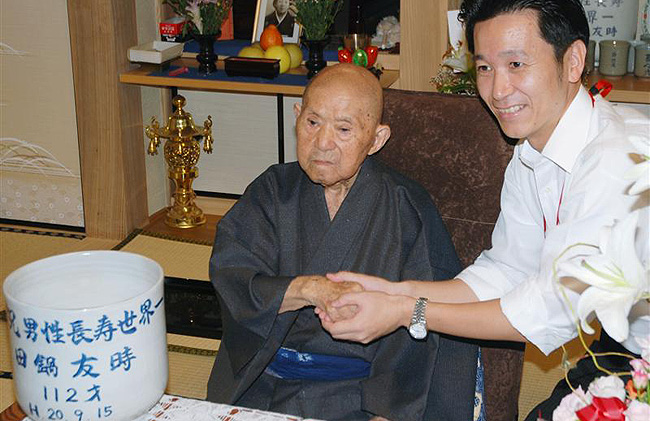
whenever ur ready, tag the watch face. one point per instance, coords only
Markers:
(418, 330)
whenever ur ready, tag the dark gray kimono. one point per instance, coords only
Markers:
(280, 228)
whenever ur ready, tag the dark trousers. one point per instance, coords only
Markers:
(583, 373)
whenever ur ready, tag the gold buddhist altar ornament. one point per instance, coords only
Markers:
(182, 152)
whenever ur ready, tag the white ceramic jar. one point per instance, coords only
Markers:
(611, 19)
(88, 339)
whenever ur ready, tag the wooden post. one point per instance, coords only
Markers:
(423, 39)
(109, 117)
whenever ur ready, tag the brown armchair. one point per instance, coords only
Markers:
(453, 146)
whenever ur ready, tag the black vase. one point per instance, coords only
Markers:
(206, 57)
(315, 62)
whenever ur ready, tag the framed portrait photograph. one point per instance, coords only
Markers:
(279, 13)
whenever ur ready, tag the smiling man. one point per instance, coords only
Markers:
(335, 209)
(564, 183)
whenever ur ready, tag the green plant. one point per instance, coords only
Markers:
(203, 16)
(316, 16)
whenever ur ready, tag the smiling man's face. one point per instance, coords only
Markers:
(519, 77)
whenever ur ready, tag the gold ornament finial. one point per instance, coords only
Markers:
(182, 152)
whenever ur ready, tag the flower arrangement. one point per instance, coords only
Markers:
(316, 16)
(609, 399)
(457, 73)
(203, 17)
(617, 280)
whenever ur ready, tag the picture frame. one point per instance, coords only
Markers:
(265, 13)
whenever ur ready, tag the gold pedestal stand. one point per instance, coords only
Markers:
(182, 152)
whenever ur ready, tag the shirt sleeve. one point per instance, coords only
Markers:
(515, 238)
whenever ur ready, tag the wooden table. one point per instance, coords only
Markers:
(140, 75)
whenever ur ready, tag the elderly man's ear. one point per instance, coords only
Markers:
(296, 108)
(382, 134)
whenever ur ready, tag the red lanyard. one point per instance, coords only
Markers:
(603, 88)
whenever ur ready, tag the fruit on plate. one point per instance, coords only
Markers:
(280, 53)
(257, 45)
(295, 53)
(270, 37)
(252, 52)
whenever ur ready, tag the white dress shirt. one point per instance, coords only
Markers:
(575, 186)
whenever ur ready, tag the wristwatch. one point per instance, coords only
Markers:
(418, 326)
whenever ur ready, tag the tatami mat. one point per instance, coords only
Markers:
(7, 396)
(177, 258)
(18, 249)
(190, 363)
(6, 386)
(542, 373)
(5, 356)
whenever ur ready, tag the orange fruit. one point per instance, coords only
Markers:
(270, 37)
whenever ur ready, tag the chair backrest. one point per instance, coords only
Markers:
(453, 146)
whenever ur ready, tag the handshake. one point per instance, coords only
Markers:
(323, 293)
(352, 306)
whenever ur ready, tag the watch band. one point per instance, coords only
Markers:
(419, 311)
(418, 326)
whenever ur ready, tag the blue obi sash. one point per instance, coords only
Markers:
(293, 365)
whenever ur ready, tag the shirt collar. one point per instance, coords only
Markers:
(570, 134)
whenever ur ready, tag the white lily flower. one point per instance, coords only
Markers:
(460, 60)
(458, 64)
(195, 11)
(640, 173)
(617, 278)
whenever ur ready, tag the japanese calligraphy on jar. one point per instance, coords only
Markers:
(612, 19)
(87, 333)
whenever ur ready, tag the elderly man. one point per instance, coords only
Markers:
(281, 17)
(335, 209)
(564, 183)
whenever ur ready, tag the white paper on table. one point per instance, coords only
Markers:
(174, 408)
(456, 33)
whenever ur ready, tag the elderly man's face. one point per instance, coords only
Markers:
(281, 6)
(335, 134)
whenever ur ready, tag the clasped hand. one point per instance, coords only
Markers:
(365, 314)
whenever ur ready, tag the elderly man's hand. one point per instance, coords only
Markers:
(318, 291)
(378, 314)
